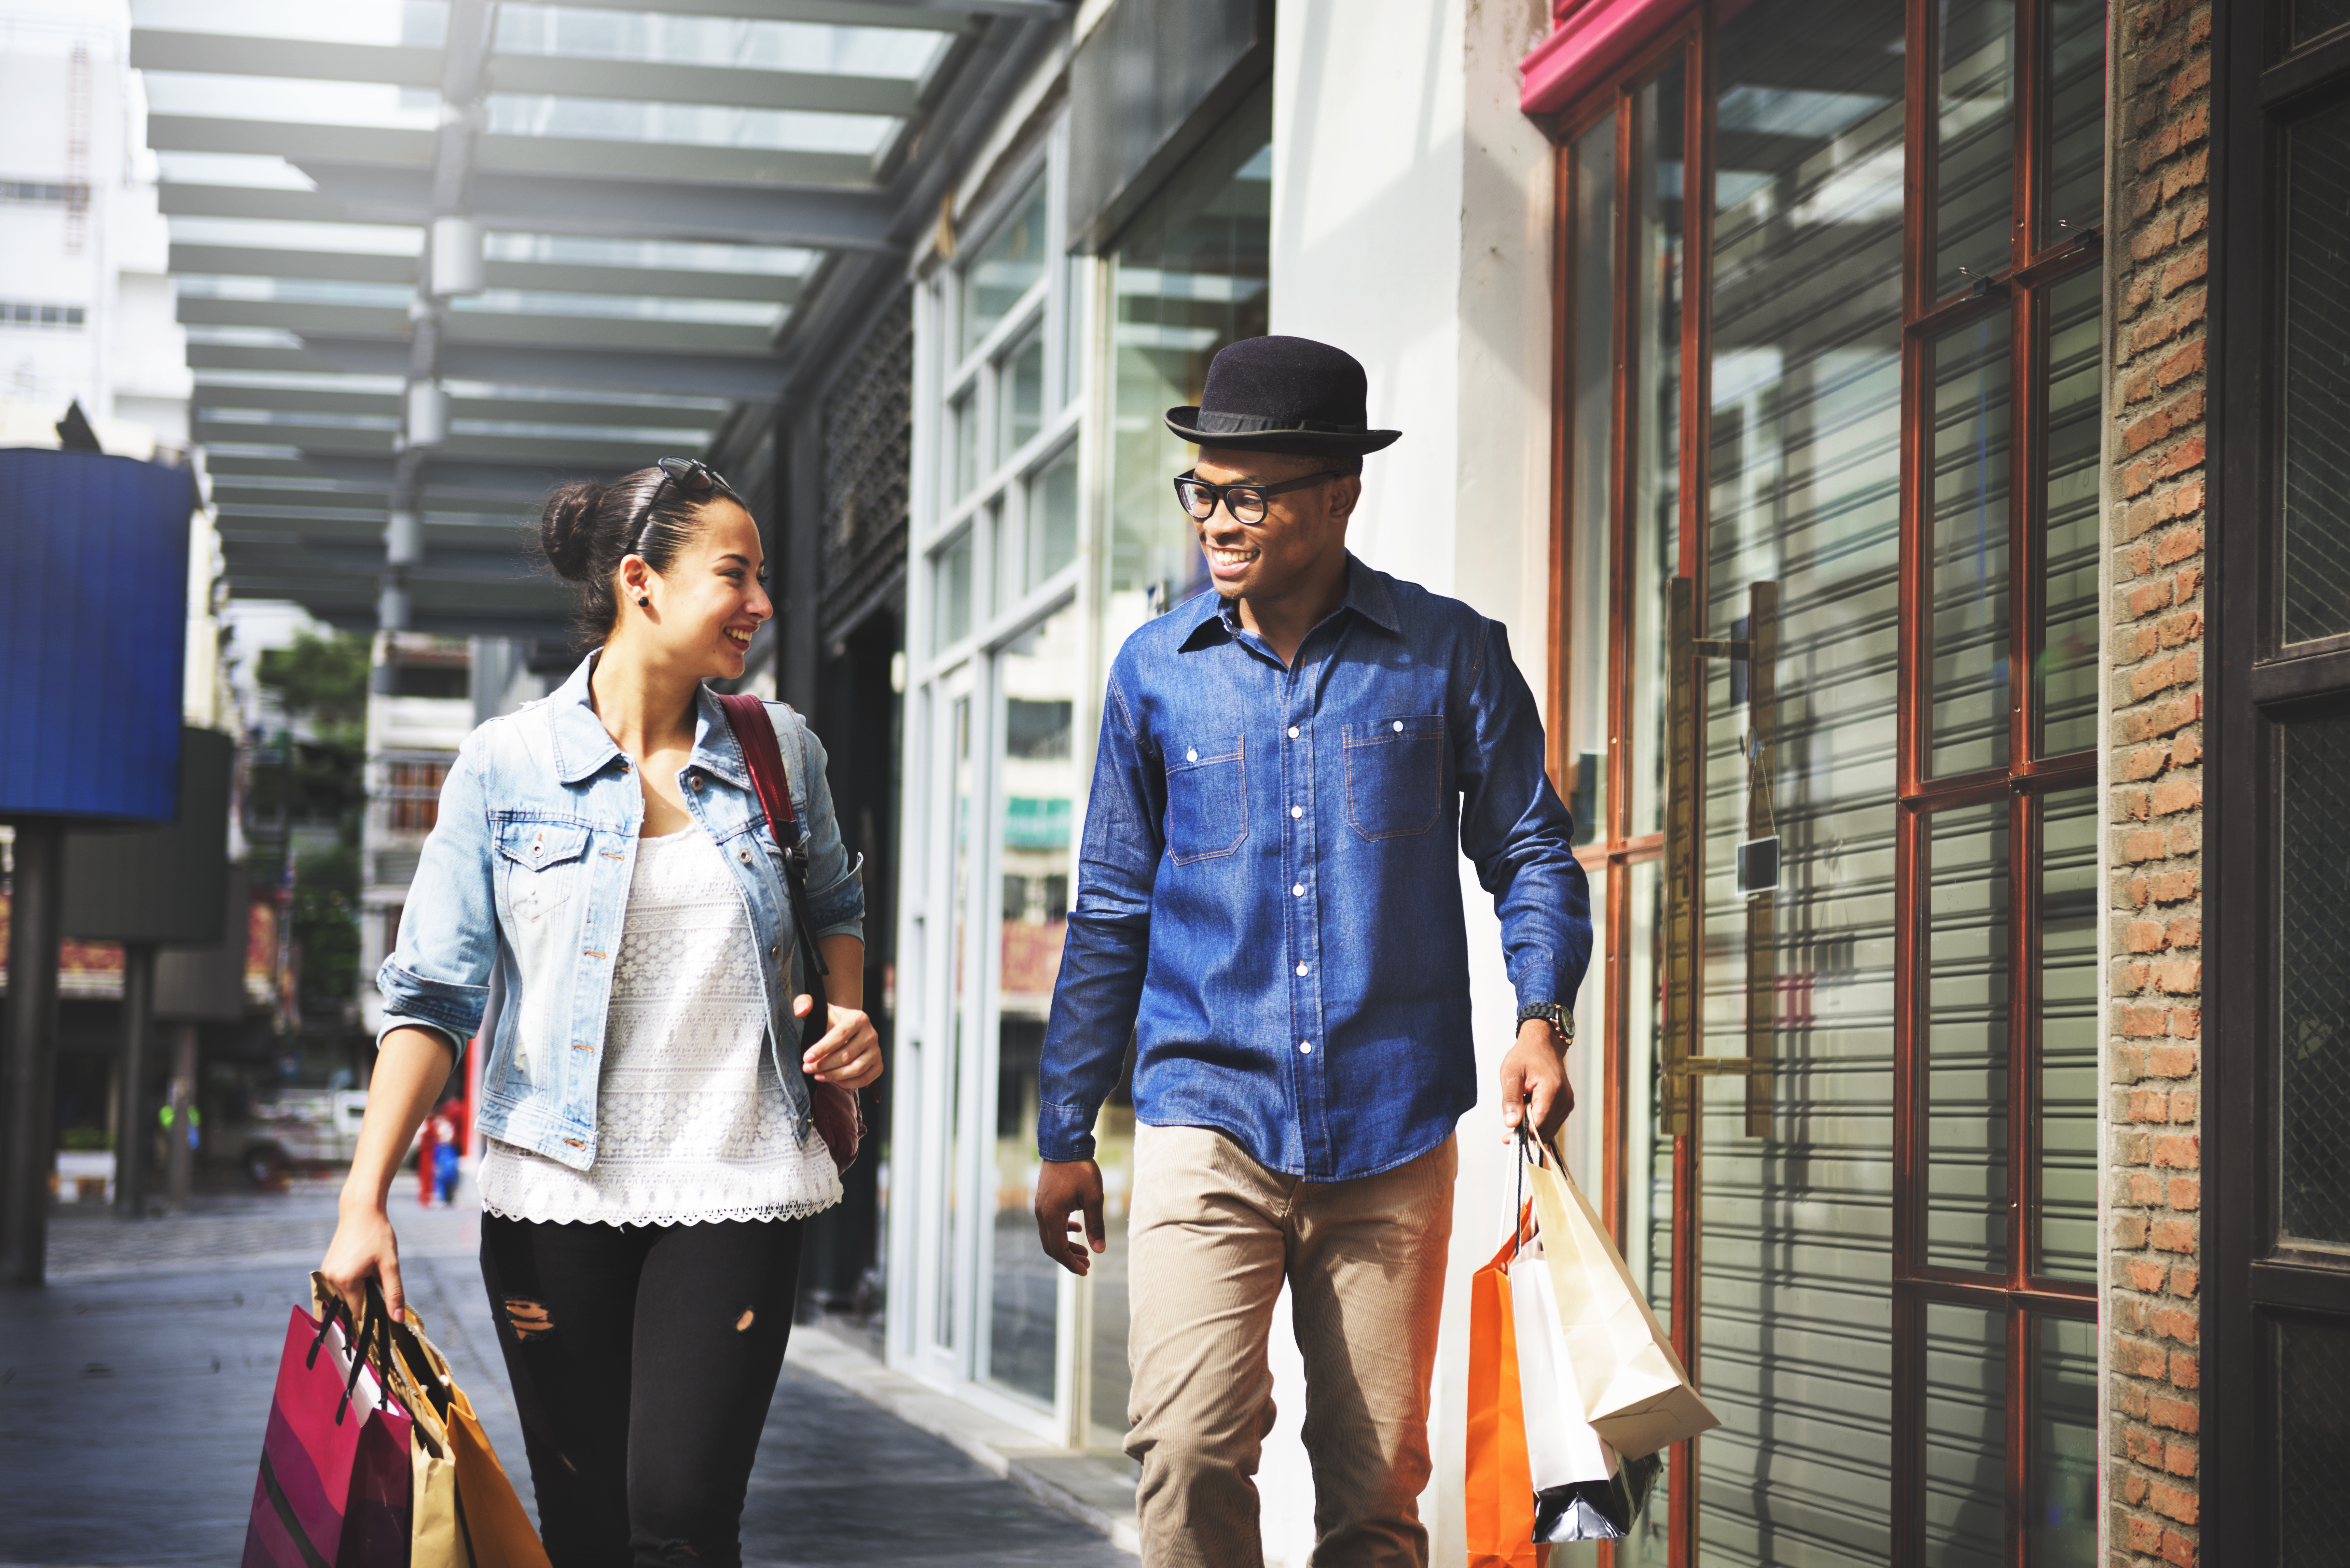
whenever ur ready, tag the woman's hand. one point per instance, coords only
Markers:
(849, 1053)
(364, 1248)
(410, 1065)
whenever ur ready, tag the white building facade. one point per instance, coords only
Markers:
(86, 297)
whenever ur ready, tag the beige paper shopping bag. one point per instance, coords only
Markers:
(1634, 1390)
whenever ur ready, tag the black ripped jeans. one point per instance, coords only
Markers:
(643, 1359)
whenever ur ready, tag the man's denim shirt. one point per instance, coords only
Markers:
(523, 888)
(1269, 899)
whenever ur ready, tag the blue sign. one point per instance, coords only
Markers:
(93, 634)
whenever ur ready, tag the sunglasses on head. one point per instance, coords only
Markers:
(689, 474)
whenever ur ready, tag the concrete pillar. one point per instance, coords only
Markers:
(180, 1160)
(30, 1080)
(132, 1131)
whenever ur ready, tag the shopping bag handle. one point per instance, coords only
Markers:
(1518, 1202)
(374, 1327)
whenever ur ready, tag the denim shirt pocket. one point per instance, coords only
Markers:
(1395, 776)
(541, 863)
(1207, 800)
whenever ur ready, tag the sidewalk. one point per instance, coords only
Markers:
(134, 1389)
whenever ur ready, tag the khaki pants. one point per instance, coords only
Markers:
(1213, 1235)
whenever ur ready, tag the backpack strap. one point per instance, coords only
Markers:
(755, 734)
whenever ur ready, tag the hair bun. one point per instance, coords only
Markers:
(566, 529)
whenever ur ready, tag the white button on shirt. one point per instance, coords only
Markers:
(1297, 890)
(1301, 970)
(1399, 726)
(1296, 811)
(1306, 1047)
(1191, 756)
(1293, 732)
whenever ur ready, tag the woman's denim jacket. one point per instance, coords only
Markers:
(523, 891)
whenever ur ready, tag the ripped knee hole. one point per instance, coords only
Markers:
(743, 1324)
(527, 1318)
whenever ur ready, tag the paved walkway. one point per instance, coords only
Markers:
(134, 1389)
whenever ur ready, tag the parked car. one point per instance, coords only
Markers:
(299, 1128)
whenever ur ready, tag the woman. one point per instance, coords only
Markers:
(603, 885)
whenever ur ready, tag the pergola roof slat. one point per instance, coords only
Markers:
(560, 411)
(557, 277)
(293, 315)
(226, 54)
(189, 201)
(569, 203)
(946, 15)
(509, 152)
(254, 357)
(294, 399)
(621, 333)
(289, 138)
(669, 283)
(821, 92)
(263, 261)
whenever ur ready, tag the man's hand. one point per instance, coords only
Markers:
(1533, 1080)
(1065, 1187)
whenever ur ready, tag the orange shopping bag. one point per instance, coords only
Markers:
(1500, 1483)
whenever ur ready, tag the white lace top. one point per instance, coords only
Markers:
(691, 1124)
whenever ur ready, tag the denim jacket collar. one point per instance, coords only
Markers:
(1367, 596)
(583, 748)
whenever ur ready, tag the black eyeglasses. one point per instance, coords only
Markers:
(1245, 501)
(688, 473)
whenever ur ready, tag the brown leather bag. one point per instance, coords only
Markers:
(839, 1114)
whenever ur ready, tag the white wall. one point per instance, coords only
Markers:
(1412, 227)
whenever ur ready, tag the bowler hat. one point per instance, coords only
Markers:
(1283, 394)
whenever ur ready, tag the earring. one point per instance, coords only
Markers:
(644, 601)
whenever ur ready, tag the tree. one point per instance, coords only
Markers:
(324, 680)
(322, 683)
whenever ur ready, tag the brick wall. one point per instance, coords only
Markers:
(2161, 247)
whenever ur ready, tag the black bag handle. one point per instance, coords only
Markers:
(372, 1329)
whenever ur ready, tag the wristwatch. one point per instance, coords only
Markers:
(1560, 1021)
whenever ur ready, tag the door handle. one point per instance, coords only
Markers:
(1684, 858)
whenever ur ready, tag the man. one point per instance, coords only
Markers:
(1268, 906)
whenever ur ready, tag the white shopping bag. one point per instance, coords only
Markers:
(1561, 1445)
(1583, 1490)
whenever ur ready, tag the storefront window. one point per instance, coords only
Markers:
(1189, 277)
(1037, 677)
(1845, 768)
(998, 531)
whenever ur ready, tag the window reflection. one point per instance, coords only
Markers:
(1052, 509)
(1021, 400)
(1003, 269)
(2060, 1529)
(1035, 784)
(950, 604)
(1188, 278)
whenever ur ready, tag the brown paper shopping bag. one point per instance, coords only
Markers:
(467, 1515)
(1634, 1390)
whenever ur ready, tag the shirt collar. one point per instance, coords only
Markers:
(1214, 618)
(582, 747)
